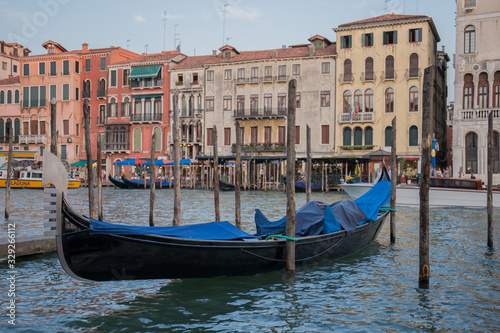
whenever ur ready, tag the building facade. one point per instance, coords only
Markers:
(477, 88)
(10, 53)
(380, 67)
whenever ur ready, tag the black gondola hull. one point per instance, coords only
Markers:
(118, 183)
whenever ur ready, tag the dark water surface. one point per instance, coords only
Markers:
(375, 290)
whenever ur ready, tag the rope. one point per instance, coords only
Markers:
(282, 236)
(388, 208)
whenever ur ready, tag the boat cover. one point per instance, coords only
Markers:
(312, 219)
(203, 231)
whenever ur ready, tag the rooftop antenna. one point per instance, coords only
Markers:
(386, 3)
(224, 24)
(128, 44)
(164, 27)
(146, 47)
(175, 35)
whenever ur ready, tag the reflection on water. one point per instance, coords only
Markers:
(373, 290)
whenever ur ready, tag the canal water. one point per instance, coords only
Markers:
(374, 290)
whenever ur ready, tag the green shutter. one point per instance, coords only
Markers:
(65, 92)
(350, 41)
(395, 36)
(43, 95)
(363, 36)
(33, 97)
(372, 41)
(26, 97)
(419, 37)
(53, 92)
(341, 42)
(2, 97)
(16, 97)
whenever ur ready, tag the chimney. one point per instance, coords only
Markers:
(442, 47)
(85, 47)
(311, 50)
(214, 53)
(283, 46)
(275, 54)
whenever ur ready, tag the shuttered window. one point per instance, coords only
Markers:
(347, 70)
(346, 137)
(325, 134)
(413, 71)
(369, 69)
(389, 67)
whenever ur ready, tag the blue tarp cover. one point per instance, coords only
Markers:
(312, 219)
(203, 231)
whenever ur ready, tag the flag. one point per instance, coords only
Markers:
(357, 109)
(351, 111)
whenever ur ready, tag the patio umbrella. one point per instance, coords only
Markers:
(186, 161)
(130, 161)
(158, 162)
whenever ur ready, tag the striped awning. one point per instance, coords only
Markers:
(144, 72)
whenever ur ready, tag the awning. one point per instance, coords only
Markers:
(144, 72)
(147, 96)
(81, 163)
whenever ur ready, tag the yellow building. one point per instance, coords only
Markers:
(380, 73)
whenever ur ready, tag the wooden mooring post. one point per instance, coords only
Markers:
(177, 167)
(290, 177)
(152, 185)
(427, 98)
(100, 216)
(308, 163)
(216, 175)
(490, 180)
(237, 180)
(88, 148)
(9, 172)
(394, 179)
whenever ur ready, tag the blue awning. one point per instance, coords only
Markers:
(144, 72)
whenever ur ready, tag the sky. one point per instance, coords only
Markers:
(200, 26)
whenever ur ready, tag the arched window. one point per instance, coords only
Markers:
(468, 92)
(358, 136)
(347, 101)
(347, 70)
(9, 97)
(8, 125)
(126, 107)
(496, 90)
(389, 100)
(2, 97)
(16, 97)
(413, 99)
(369, 100)
(369, 136)
(413, 136)
(388, 136)
(413, 71)
(496, 152)
(471, 153)
(101, 92)
(358, 101)
(470, 39)
(347, 136)
(33, 125)
(137, 139)
(369, 69)
(112, 107)
(3, 134)
(158, 142)
(482, 91)
(389, 67)
(17, 128)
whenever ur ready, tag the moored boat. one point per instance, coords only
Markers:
(139, 184)
(31, 179)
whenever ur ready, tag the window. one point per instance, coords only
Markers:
(227, 74)
(9, 97)
(413, 136)
(389, 100)
(210, 75)
(4, 65)
(14, 68)
(53, 68)
(227, 136)
(227, 54)
(346, 136)
(26, 70)
(388, 136)
(298, 100)
(281, 72)
(254, 72)
(210, 136)
(77, 129)
(346, 42)
(16, 97)
(347, 101)
(468, 92)
(26, 97)
(268, 102)
(415, 35)
(65, 88)
(125, 107)
(53, 92)
(65, 127)
(470, 3)
(413, 99)
(209, 104)
(496, 152)
(77, 67)
(389, 67)
(41, 68)
(296, 69)
(318, 45)
(297, 135)
(240, 104)
(254, 104)
(103, 63)
(268, 73)
(367, 40)
(241, 75)
(268, 135)
(358, 101)
(368, 136)
(112, 81)
(65, 67)
(254, 135)
(471, 153)
(325, 68)
(482, 91)
(390, 37)
(369, 100)
(195, 78)
(180, 79)
(43, 96)
(87, 65)
(282, 103)
(228, 103)
(413, 71)
(64, 156)
(358, 136)
(496, 90)
(281, 135)
(325, 98)
(112, 107)
(325, 134)
(34, 97)
(369, 69)
(137, 139)
(470, 39)
(2, 97)
(347, 70)
(126, 73)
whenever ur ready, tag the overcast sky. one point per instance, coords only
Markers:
(201, 26)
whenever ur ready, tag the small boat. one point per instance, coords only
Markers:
(443, 192)
(118, 183)
(89, 249)
(30, 178)
(139, 184)
(300, 186)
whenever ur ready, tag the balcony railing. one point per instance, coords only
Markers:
(479, 114)
(101, 93)
(146, 83)
(190, 113)
(143, 117)
(260, 113)
(101, 120)
(116, 146)
(86, 94)
(361, 117)
(36, 139)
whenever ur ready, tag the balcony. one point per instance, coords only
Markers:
(115, 147)
(479, 114)
(241, 80)
(146, 83)
(389, 76)
(101, 93)
(146, 117)
(36, 139)
(345, 78)
(413, 74)
(268, 79)
(260, 113)
(86, 94)
(191, 113)
(368, 77)
(101, 120)
(361, 117)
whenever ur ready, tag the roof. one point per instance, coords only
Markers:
(384, 18)
(10, 81)
(55, 44)
(164, 56)
(192, 62)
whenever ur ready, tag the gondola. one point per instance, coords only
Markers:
(139, 184)
(93, 250)
(223, 186)
(300, 186)
(118, 183)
